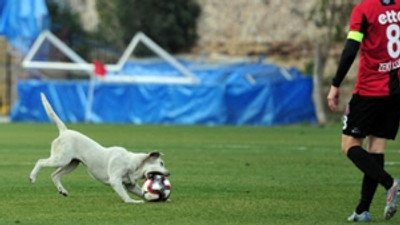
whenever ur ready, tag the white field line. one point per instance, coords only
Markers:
(390, 163)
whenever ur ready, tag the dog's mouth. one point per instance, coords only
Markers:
(151, 174)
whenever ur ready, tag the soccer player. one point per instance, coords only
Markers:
(374, 108)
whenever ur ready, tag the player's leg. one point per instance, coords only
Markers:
(376, 148)
(374, 174)
(386, 128)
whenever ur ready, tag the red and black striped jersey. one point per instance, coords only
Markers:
(376, 25)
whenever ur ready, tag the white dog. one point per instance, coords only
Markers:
(113, 166)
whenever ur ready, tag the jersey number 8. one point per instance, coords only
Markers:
(393, 45)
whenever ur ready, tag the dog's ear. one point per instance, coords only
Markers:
(155, 154)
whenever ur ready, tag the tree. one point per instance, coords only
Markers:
(67, 26)
(331, 19)
(172, 24)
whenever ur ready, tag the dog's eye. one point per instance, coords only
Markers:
(162, 163)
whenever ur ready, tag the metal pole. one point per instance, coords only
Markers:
(8, 81)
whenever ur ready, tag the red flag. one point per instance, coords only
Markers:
(99, 68)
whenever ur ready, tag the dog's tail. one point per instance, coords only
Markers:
(50, 112)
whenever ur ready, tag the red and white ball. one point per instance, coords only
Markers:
(156, 189)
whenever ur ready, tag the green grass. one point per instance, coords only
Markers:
(220, 175)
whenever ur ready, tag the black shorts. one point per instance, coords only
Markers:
(377, 116)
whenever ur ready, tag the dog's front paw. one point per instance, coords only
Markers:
(133, 201)
(32, 180)
(63, 192)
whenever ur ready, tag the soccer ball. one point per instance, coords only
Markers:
(156, 189)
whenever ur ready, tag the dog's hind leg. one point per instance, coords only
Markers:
(52, 161)
(56, 176)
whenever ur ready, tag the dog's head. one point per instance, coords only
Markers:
(153, 164)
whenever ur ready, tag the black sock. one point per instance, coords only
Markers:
(366, 163)
(369, 186)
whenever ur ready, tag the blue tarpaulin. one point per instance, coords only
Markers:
(21, 21)
(225, 96)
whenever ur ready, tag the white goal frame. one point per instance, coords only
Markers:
(79, 64)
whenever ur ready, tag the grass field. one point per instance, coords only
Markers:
(220, 175)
